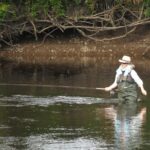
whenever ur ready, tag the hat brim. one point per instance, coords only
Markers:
(123, 61)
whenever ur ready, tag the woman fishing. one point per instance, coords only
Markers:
(127, 81)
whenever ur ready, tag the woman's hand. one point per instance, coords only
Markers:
(108, 89)
(144, 92)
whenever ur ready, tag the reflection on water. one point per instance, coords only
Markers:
(128, 125)
(71, 123)
(46, 142)
(72, 144)
(48, 118)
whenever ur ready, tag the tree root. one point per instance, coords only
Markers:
(115, 19)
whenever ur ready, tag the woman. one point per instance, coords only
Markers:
(127, 80)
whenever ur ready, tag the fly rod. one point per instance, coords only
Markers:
(51, 86)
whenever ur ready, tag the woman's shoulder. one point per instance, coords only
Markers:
(133, 72)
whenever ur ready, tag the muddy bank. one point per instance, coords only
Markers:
(71, 62)
(62, 46)
(70, 54)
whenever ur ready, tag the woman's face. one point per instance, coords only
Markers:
(124, 65)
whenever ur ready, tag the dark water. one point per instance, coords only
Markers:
(57, 118)
(61, 122)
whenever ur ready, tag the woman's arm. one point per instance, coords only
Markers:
(139, 81)
(112, 86)
(109, 88)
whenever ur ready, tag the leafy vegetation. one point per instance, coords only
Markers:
(88, 17)
(147, 8)
(36, 8)
(4, 7)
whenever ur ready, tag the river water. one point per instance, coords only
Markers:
(43, 108)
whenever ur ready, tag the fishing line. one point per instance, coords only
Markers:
(51, 86)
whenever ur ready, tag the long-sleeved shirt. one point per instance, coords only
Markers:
(134, 75)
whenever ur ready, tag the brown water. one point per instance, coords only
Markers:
(57, 118)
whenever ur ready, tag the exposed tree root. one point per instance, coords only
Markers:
(115, 19)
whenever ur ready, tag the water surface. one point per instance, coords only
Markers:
(58, 118)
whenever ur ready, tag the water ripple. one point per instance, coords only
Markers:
(23, 100)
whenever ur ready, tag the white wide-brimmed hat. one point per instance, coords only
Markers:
(125, 59)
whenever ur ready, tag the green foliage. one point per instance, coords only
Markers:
(147, 2)
(147, 12)
(3, 10)
(90, 5)
(57, 7)
(147, 8)
(117, 2)
(77, 2)
(36, 7)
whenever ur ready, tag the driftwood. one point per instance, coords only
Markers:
(118, 18)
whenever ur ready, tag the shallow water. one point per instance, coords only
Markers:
(57, 118)
(63, 122)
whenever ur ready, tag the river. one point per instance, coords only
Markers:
(43, 108)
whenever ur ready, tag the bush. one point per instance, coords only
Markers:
(147, 8)
(3, 10)
(36, 7)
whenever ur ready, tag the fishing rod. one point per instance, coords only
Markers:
(51, 86)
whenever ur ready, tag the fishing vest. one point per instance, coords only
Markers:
(127, 78)
(127, 85)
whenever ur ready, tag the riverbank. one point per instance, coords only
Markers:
(136, 45)
(72, 61)
(75, 53)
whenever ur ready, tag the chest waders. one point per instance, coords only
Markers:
(127, 89)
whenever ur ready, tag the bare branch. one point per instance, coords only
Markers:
(117, 18)
(34, 28)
